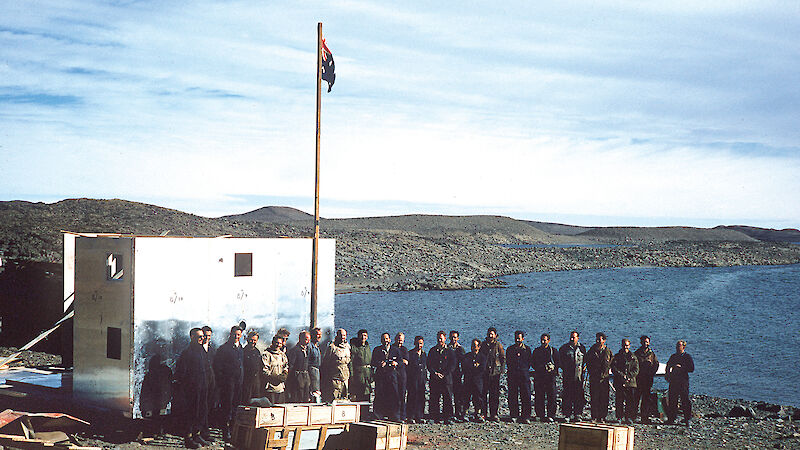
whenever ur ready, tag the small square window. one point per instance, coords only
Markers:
(243, 265)
(114, 269)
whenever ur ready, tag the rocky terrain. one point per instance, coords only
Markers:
(409, 253)
(402, 252)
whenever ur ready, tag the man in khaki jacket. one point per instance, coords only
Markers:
(276, 368)
(336, 368)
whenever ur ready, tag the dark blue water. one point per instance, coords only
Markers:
(742, 323)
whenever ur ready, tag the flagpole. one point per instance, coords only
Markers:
(315, 245)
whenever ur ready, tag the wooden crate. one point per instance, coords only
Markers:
(345, 413)
(320, 414)
(397, 432)
(260, 417)
(369, 435)
(590, 436)
(285, 438)
(380, 435)
(296, 414)
(250, 438)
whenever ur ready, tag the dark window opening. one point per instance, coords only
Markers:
(243, 265)
(113, 343)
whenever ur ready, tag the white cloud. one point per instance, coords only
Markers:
(615, 108)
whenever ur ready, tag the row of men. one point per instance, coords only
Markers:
(220, 379)
(233, 374)
(457, 377)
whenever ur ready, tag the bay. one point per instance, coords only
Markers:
(742, 323)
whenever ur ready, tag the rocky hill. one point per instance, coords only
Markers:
(638, 235)
(558, 228)
(767, 234)
(497, 229)
(397, 252)
(273, 214)
(32, 231)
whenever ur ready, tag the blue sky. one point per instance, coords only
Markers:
(591, 113)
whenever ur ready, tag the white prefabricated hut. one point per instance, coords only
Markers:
(137, 297)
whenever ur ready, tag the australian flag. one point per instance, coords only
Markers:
(327, 66)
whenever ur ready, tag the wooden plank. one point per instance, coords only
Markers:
(323, 432)
(296, 441)
(630, 438)
(20, 442)
(273, 442)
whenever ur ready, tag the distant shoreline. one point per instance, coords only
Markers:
(410, 271)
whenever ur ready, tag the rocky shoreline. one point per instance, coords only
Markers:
(401, 262)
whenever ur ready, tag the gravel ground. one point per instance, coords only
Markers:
(710, 429)
(30, 358)
(772, 426)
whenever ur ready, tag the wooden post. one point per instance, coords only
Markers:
(315, 245)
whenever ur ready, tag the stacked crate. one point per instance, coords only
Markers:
(593, 436)
(293, 426)
(378, 435)
(300, 426)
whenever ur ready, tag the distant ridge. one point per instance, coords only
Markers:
(663, 234)
(558, 228)
(426, 224)
(767, 234)
(31, 231)
(271, 214)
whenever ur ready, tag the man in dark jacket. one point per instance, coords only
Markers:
(213, 393)
(253, 369)
(441, 365)
(190, 374)
(495, 366)
(458, 385)
(573, 369)
(385, 364)
(648, 366)
(228, 366)
(400, 352)
(518, 360)
(625, 367)
(361, 373)
(679, 366)
(473, 366)
(545, 371)
(417, 375)
(598, 364)
(300, 390)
